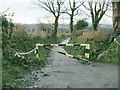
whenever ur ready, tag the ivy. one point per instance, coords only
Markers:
(7, 29)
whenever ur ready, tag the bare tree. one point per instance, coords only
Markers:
(54, 7)
(116, 15)
(97, 9)
(73, 11)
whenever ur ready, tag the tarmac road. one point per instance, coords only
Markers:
(65, 72)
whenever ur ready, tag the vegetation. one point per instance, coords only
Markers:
(45, 27)
(100, 48)
(97, 10)
(81, 24)
(55, 8)
(73, 6)
(15, 68)
(19, 40)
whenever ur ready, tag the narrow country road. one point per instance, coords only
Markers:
(65, 72)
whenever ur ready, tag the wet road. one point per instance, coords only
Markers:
(65, 72)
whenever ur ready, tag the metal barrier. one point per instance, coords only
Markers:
(87, 47)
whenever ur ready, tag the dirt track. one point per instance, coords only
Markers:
(65, 72)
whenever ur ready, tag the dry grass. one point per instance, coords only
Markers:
(63, 33)
(91, 35)
(38, 33)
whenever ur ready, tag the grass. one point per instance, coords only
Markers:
(14, 69)
(99, 45)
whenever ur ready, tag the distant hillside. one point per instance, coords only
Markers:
(65, 27)
(100, 27)
(61, 27)
(31, 26)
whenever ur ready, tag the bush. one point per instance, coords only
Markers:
(81, 24)
(99, 42)
(15, 68)
(110, 55)
(76, 34)
(19, 40)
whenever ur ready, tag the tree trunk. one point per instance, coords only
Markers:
(71, 23)
(94, 22)
(95, 25)
(55, 28)
(116, 16)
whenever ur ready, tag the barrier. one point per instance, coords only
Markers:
(116, 41)
(87, 47)
(87, 55)
(21, 54)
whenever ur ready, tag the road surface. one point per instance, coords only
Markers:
(65, 72)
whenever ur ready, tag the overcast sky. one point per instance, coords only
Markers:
(25, 12)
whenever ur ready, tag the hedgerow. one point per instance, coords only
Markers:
(99, 42)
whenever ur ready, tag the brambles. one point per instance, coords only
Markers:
(7, 29)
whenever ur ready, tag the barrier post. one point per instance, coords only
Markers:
(87, 55)
(37, 53)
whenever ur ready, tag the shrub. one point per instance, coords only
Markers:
(81, 24)
(76, 34)
(15, 68)
(99, 42)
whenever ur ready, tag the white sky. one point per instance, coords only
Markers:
(26, 13)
